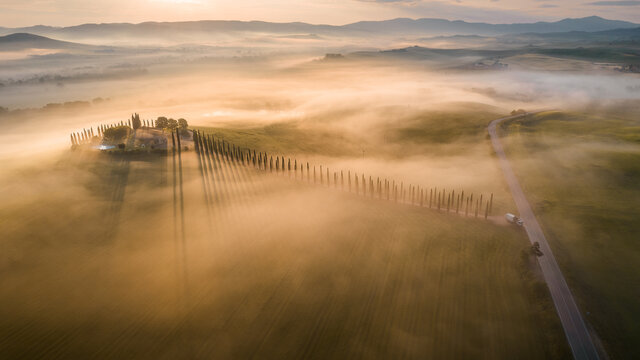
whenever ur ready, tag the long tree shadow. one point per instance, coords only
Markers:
(118, 178)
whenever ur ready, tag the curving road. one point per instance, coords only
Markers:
(574, 326)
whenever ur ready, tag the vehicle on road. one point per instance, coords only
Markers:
(536, 248)
(513, 219)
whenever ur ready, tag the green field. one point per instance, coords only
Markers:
(581, 172)
(265, 267)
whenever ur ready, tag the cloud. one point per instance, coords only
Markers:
(615, 3)
(547, 6)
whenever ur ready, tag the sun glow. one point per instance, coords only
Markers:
(189, 2)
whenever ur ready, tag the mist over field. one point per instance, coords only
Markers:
(383, 236)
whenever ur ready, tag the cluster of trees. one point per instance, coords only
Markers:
(171, 124)
(161, 123)
(116, 133)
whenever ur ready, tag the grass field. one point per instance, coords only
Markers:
(264, 267)
(582, 174)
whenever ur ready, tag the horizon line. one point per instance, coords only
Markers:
(315, 24)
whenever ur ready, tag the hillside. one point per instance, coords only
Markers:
(21, 41)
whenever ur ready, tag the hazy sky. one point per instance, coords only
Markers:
(71, 12)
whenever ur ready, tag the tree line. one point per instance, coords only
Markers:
(442, 199)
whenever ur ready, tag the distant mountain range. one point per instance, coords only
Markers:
(446, 27)
(395, 27)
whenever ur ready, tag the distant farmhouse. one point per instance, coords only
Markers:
(136, 135)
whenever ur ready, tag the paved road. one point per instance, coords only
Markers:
(574, 327)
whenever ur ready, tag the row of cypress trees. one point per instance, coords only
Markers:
(82, 137)
(383, 189)
(85, 136)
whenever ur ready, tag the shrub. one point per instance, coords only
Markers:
(117, 133)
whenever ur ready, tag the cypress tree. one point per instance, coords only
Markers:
(421, 198)
(271, 164)
(371, 189)
(321, 176)
(453, 196)
(491, 203)
(314, 173)
(341, 180)
(356, 183)
(430, 197)
(328, 180)
(364, 186)
(388, 190)
(466, 209)
(395, 194)
(476, 212)
(308, 172)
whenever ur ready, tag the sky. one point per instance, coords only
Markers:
(16, 13)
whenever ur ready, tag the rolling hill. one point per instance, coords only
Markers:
(21, 41)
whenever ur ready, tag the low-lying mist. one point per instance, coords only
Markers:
(146, 254)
